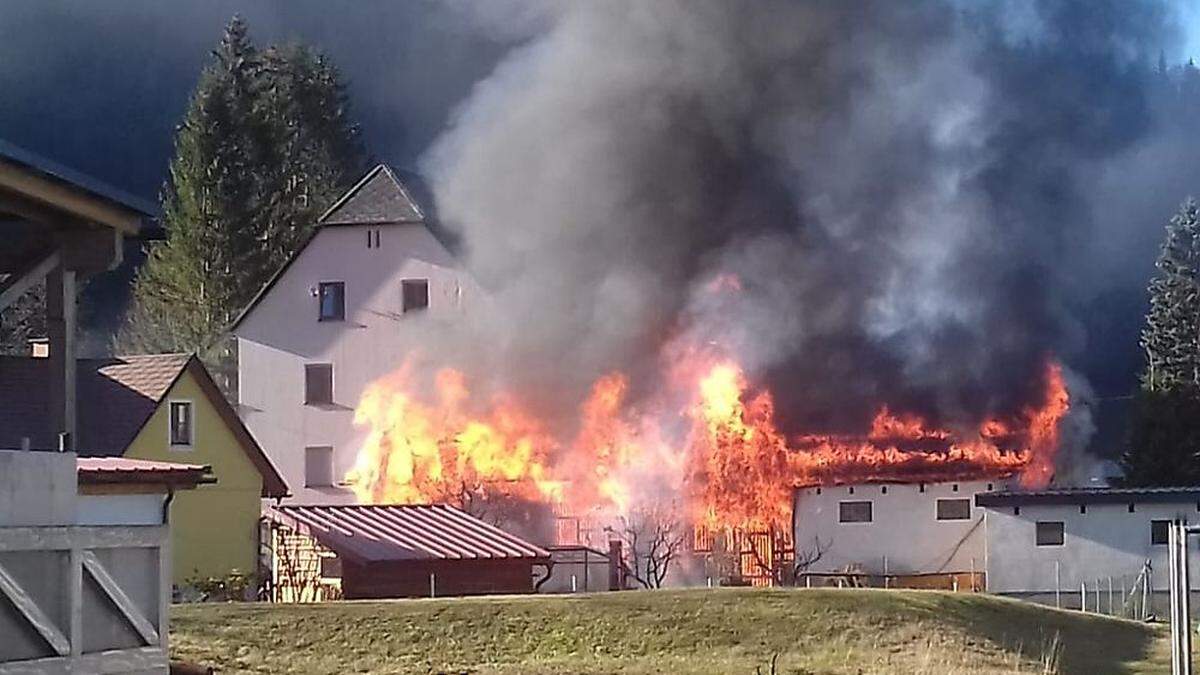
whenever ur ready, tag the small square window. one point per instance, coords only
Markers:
(414, 295)
(854, 512)
(318, 466)
(1050, 533)
(954, 509)
(318, 383)
(1159, 532)
(332, 295)
(181, 424)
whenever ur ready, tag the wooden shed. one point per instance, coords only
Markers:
(394, 551)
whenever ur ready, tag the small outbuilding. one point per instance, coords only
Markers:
(394, 551)
(1084, 547)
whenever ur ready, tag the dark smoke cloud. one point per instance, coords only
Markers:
(910, 192)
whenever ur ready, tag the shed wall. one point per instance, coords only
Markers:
(451, 577)
(1106, 541)
(904, 529)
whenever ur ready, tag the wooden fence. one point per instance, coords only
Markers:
(84, 599)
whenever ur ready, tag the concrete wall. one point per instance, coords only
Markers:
(120, 509)
(1106, 541)
(37, 488)
(283, 334)
(904, 529)
(214, 528)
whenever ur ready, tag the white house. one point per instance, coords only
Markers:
(898, 528)
(1054, 542)
(340, 314)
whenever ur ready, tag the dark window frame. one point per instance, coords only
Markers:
(940, 516)
(417, 304)
(339, 313)
(845, 515)
(174, 438)
(1050, 533)
(311, 394)
(1160, 532)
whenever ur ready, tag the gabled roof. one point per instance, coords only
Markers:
(378, 198)
(116, 397)
(372, 533)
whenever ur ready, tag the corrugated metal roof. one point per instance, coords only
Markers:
(1090, 495)
(91, 470)
(373, 533)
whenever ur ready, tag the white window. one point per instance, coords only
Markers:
(414, 295)
(318, 466)
(854, 512)
(182, 433)
(954, 509)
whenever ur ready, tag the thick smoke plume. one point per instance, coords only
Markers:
(905, 190)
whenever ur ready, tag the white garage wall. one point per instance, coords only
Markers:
(1106, 541)
(904, 530)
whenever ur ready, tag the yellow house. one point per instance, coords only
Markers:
(162, 407)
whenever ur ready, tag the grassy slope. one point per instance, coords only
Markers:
(694, 631)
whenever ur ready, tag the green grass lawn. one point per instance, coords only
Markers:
(687, 631)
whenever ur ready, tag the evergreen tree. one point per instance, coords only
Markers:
(265, 146)
(1164, 447)
(1171, 337)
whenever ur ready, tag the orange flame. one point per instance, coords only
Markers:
(720, 454)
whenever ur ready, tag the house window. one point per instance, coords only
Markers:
(1159, 532)
(954, 509)
(318, 383)
(414, 295)
(181, 428)
(318, 466)
(1050, 533)
(854, 512)
(332, 295)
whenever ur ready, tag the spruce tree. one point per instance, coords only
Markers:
(265, 146)
(1164, 446)
(1171, 337)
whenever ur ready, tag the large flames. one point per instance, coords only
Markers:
(709, 445)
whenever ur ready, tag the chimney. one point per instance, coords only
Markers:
(39, 348)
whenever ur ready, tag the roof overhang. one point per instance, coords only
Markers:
(1086, 496)
(121, 475)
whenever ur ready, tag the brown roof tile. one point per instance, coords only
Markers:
(115, 398)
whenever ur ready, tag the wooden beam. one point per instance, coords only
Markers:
(33, 614)
(60, 328)
(136, 660)
(115, 593)
(17, 283)
(61, 197)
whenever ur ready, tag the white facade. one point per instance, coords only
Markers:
(904, 534)
(1100, 540)
(282, 333)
